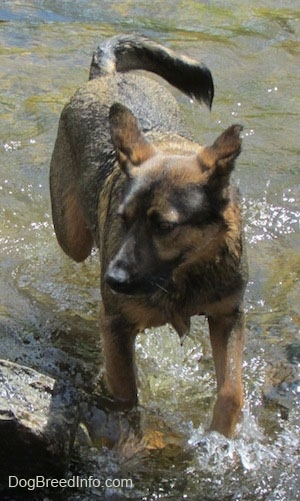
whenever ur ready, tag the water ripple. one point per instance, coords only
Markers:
(267, 221)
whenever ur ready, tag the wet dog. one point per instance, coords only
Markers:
(127, 176)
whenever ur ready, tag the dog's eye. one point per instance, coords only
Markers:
(164, 227)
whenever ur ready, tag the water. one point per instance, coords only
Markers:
(49, 305)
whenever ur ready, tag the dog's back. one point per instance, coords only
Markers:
(83, 146)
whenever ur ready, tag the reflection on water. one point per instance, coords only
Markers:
(265, 221)
(49, 305)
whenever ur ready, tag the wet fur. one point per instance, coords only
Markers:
(127, 175)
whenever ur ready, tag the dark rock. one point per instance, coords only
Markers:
(38, 422)
(293, 352)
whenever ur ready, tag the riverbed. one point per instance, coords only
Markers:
(50, 306)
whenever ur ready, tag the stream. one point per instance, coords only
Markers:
(49, 309)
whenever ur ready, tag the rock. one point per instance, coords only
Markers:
(38, 422)
(282, 379)
(293, 352)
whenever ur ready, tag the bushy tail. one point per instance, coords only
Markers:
(134, 52)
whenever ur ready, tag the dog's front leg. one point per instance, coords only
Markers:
(118, 350)
(227, 336)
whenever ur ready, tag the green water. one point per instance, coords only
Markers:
(49, 305)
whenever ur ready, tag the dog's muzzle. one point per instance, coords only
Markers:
(119, 280)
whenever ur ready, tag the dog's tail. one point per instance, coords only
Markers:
(135, 52)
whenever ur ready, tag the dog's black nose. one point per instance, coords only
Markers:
(118, 279)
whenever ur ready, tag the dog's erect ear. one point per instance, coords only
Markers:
(218, 159)
(131, 146)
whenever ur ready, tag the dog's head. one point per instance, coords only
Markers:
(172, 208)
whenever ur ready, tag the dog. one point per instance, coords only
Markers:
(127, 176)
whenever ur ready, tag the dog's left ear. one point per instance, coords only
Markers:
(218, 159)
(131, 146)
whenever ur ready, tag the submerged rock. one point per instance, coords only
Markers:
(281, 385)
(293, 352)
(38, 422)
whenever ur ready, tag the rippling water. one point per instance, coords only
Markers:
(49, 305)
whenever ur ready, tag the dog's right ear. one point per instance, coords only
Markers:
(131, 146)
(218, 159)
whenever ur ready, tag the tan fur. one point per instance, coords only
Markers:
(78, 234)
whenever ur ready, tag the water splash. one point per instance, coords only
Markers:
(251, 466)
